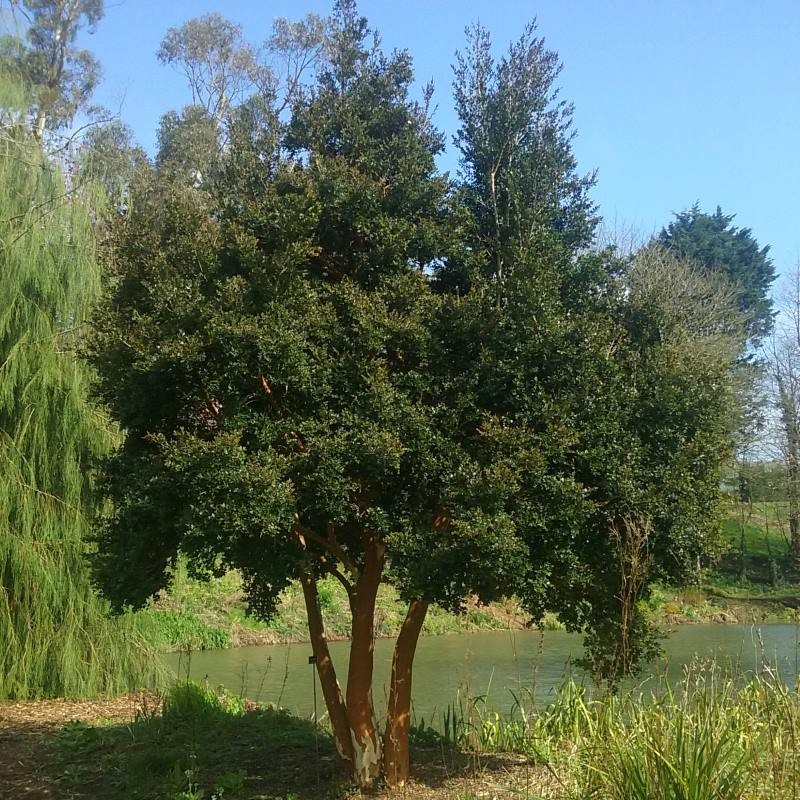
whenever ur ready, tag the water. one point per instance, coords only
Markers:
(493, 663)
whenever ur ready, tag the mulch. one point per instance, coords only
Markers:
(26, 727)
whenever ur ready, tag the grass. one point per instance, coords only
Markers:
(715, 736)
(200, 744)
(198, 615)
(753, 581)
(180, 630)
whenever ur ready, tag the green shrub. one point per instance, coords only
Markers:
(180, 630)
(191, 699)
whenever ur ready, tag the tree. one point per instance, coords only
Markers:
(306, 391)
(107, 155)
(237, 89)
(219, 65)
(341, 232)
(61, 76)
(783, 373)
(718, 246)
(520, 177)
(55, 636)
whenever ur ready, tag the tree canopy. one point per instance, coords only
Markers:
(321, 369)
(61, 77)
(716, 245)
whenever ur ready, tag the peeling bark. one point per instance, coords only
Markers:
(366, 742)
(327, 676)
(396, 759)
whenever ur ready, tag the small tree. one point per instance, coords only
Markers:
(308, 391)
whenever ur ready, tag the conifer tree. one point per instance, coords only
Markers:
(717, 246)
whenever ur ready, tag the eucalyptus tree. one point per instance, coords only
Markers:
(108, 156)
(223, 70)
(238, 89)
(56, 638)
(220, 67)
(61, 75)
(320, 372)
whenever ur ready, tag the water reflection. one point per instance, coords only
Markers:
(494, 664)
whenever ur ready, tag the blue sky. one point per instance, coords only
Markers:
(675, 101)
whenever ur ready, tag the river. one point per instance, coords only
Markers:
(493, 663)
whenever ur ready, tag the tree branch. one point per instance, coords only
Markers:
(331, 545)
(331, 570)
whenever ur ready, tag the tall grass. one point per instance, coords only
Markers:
(55, 638)
(717, 735)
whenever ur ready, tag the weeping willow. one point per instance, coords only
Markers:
(56, 638)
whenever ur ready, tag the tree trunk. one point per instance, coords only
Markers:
(366, 741)
(396, 761)
(39, 125)
(794, 505)
(327, 676)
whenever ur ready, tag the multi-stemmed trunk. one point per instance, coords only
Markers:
(360, 709)
(353, 722)
(398, 717)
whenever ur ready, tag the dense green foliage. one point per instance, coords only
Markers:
(328, 359)
(299, 356)
(55, 638)
(520, 182)
(716, 245)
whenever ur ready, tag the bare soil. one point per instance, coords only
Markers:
(29, 771)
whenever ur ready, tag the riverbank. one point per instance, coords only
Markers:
(748, 585)
(716, 736)
(206, 617)
(199, 615)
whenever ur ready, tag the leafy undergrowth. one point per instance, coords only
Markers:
(200, 615)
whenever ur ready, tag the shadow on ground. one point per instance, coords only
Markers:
(200, 745)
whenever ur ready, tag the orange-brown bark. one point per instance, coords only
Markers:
(327, 676)
(360, 711)
(398, 718)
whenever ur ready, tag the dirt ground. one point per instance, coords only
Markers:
(27, 772)
(25, 728)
